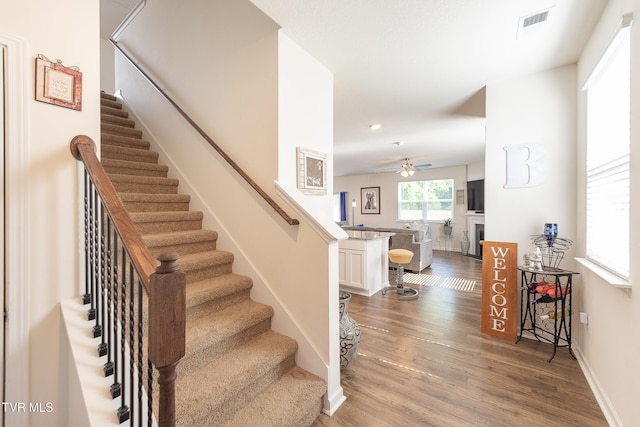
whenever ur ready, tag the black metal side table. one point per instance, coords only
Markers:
(557, 304)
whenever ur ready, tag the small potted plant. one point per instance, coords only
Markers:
(447, 226)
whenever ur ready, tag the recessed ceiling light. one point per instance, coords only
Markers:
(398, 143)
(375, 126)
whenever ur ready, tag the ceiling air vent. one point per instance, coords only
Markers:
(535, 19)
(533, 22)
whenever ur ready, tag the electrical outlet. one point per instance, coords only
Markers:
(584, 318)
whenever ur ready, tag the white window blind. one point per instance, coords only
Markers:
(607, 162)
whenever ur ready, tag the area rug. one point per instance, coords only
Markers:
(441, 282)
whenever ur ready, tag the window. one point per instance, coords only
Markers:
(425, 200)
(607, 163)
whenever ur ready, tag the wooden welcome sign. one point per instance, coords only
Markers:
(500, 310)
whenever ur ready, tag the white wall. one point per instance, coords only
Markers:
(258, 96)
(305, 119)
(44, 270)
(107, 65)
(475, 171)
(610, 344)
(536, 109)
(388, 217)
(218, 61)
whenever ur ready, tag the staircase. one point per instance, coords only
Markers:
(236, 371)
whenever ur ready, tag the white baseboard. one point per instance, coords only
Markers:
(603, 400)
(332, 404)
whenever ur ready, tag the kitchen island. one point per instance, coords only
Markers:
(363, 261)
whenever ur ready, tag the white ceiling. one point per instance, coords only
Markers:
(419, 67)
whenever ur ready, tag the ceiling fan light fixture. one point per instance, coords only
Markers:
(407, 169)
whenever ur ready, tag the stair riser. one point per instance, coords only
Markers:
(148, 157)
(167, 226)
(185, 248)
(135, 172)
(110, 103)
(207, 272)
(117, 121)
(193, 312)
(123, 142)
(110, 111)
(126, 187)
(156, 207)
(206, 355)
(120, 131)
(310, 414)
(254, 386)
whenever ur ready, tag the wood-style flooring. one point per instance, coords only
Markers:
(425, 363)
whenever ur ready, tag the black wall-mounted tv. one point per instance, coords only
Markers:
(475, 195)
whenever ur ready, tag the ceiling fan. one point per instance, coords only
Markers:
(407, 168)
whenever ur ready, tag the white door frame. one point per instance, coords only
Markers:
(2, 259)
(15, 237)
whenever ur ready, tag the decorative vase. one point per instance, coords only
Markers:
(465, 243)
(349, 332)
(447, 230)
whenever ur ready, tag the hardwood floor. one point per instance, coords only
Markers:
(425, 363)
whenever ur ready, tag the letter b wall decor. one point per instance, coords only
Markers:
(525, 165)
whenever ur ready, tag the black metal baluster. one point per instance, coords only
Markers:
(86, 298)
(149, 393)
(108, 366)
(132, 293)
(91, 315)
(112, 367)
(98, 329)
(123, 411)
(140, 355)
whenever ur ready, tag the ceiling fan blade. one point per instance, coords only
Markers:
(422, 166)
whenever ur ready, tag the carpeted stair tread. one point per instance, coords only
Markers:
(144, 179)
(112, 103)
(296, 389)
(107, 96)
(124, 142)
(209, 395)
(150, 217)
(112, 111)
(117, 120)
(108, 151)
(182, 242)
(179, 237)
(220, 331)
(165, 222)
(206, 265)
(126, 167)
(144, 184)
(209, 291)
(149, 202)
(120, 130)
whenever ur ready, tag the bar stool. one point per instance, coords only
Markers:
(400, 257)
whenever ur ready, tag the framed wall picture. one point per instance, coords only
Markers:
(57, 84)
(311, 171)
(370, 200)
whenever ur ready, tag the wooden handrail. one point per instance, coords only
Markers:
(84, 149)
(220, 151)
(164, 285)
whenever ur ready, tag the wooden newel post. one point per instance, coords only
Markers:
(167, 324)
